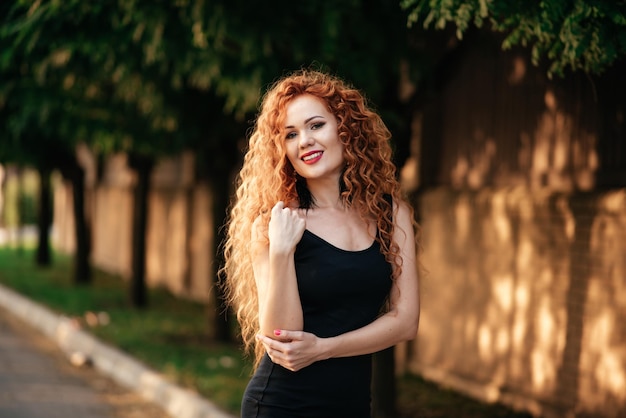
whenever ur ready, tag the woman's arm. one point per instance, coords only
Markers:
(274, 271)
(296, 349)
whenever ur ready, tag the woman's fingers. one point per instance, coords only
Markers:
(292, 352)
(280, 205)
(286, 227)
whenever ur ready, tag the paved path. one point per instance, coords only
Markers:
(37, 381)
(107, 360)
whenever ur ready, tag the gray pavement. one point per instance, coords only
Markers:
(30, 387)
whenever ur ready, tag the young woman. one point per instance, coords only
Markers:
(321, 251)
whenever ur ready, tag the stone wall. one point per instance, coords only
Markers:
(525, 298)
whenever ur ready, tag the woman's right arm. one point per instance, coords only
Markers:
(274, 271)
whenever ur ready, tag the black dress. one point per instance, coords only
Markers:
(340, 291)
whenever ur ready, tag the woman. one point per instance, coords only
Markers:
(321, 255)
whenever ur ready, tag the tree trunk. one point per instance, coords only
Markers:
(44, 218)
(384, 384)
(82, 269)
(72, 171)
(138, 289)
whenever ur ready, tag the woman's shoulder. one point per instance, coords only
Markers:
(401, 209)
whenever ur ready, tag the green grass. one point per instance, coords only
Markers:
(171, 336)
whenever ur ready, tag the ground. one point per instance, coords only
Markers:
(124, 403)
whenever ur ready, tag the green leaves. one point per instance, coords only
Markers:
(586, 35)
(161, 76)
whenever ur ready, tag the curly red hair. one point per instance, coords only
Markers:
(369, 183)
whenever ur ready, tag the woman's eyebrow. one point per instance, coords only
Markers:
(307, 120)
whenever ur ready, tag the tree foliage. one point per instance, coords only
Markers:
(587, 35)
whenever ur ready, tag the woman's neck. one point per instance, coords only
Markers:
(325, 195)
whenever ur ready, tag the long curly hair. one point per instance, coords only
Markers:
(368, 184)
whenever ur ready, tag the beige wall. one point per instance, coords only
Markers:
(179, 226)
(525, 300)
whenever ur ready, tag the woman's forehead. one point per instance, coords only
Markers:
(305, 106)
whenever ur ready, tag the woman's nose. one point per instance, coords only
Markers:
(306, 140)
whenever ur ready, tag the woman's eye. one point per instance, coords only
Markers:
(317, 125)
(290, 135)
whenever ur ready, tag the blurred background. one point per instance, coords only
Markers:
(123, 125)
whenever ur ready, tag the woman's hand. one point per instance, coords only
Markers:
(294, 350)
(285, 228)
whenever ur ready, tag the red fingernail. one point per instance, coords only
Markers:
(276, 332)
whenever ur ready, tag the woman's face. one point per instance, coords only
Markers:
(312, 140)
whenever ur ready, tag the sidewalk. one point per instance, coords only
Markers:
(18, 363)
(32, 387)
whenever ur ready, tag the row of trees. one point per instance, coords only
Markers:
(155, 78)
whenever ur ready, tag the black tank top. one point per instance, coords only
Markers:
(340, 291)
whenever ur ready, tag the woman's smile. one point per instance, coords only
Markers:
(312, 157)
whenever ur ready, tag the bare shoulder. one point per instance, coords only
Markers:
(403, 210)
(403, 218)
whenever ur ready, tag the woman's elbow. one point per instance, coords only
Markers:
(409, 327)
(409, 331)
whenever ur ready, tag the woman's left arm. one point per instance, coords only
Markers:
(295, 350)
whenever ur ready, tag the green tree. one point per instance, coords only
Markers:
(64, 93)
(45, 114)
(587, 35)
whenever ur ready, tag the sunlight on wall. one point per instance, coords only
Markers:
(604, 360)
(481, 160)
(518, 70)
(522, 318)
(501, 297)
(500, 217)
(462, 222)
(565, 154)
(569, 223)
(604, 341)
(503, 292)
(520, 325)
(586, 160)
(547, 348)
(459, 172)
(543, 138)
(484, 342)
(609, 369)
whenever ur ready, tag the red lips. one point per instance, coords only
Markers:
(311, 157)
